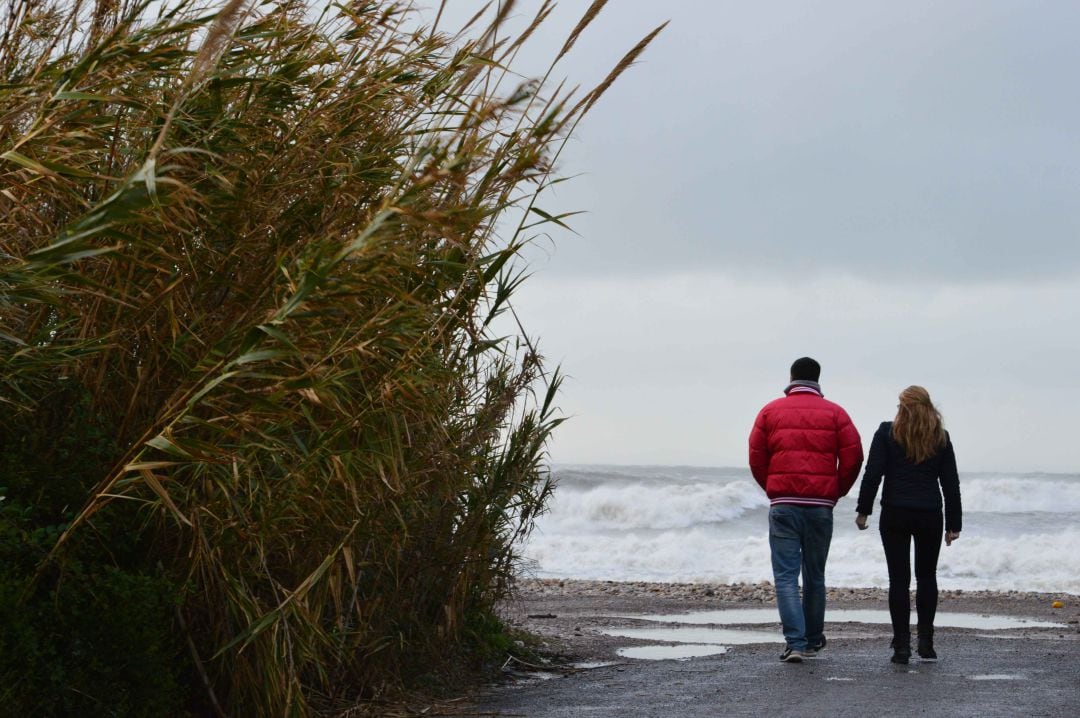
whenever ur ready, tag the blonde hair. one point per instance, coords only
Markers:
(918, 426)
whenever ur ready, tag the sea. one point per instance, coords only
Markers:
(693, 524)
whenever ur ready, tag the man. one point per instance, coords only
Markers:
(806, 454)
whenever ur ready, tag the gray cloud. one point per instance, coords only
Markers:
(891, 139)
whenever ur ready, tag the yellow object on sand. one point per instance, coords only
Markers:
(1057, 604)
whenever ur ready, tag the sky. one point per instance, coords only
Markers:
(887, 187)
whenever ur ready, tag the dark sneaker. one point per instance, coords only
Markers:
(790, 655)
(813, 650)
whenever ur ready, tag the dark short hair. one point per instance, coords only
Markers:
(805, 369)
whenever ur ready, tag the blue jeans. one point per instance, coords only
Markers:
(799, 537)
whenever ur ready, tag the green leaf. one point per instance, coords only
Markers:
(76, 95)
(24, 161)
(166, 445)
(260, 355)
(556, 218)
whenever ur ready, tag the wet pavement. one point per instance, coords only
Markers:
(979, 674)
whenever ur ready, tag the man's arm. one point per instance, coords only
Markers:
(850, 453)
(759, 450)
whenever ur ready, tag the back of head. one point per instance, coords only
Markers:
(918, 426)
(805, 369)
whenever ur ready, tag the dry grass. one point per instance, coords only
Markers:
(270, 258)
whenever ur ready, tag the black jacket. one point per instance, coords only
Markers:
(910, 485)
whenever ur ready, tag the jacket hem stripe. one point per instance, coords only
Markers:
(801, 501)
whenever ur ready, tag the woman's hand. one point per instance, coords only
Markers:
(860, 521)
(951, 536)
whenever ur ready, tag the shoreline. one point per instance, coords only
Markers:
(749, 591)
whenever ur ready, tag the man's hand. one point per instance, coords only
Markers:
(860, 521)
(951, 536)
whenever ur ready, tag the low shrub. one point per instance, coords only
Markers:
(91, 641)
(93, 634)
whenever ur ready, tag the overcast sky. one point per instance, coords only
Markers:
(887, 187)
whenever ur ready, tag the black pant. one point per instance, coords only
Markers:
(898, 526)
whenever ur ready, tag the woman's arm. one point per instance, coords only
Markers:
(875, 469)
(950, 489)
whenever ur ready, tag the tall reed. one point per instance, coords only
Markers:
(264, 242)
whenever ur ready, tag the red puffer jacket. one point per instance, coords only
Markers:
(805, 450)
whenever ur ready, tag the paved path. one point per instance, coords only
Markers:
(979, 675)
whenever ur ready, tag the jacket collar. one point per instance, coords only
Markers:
(803, 386)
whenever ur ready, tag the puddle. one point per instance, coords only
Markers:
(712, 636)
(531, 676)
(742, 616)
(681, 651)
(998, 677)
(697, 635)
(589, 665)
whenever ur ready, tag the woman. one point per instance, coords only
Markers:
(914, 455)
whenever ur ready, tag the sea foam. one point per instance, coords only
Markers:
(711, 525)
(632, 505)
